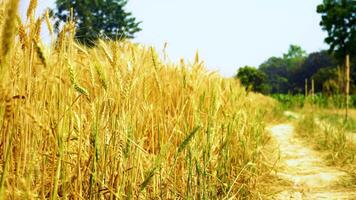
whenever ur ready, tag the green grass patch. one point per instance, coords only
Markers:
(319, 100)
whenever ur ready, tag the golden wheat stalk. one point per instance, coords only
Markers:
(101, 76)
(31, 8)
(40, 53)
(48, 22)
(75, 84)
(37, 29)
(9, 27)
(23, 37)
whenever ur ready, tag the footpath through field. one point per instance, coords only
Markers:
(310, 177)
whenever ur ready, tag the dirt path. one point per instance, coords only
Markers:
(311, 178)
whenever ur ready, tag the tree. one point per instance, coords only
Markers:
(294, 58)
(338, 18)
(99, 18)
(311, 65)
(295, 52)
(253, 79)
(326, 80)
(276, 72)
(280, 71)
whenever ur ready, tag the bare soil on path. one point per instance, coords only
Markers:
(305, 169)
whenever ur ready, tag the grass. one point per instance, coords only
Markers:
(338, 120)
(116, 122)
(330, 134)
(322, 125)
(319, 100)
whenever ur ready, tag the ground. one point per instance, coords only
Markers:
(305, 169)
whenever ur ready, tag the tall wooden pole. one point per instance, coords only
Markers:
(312, 93)
(306, 87)
(347, 86)
(312, 89)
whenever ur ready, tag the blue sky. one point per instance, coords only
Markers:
(227, 33)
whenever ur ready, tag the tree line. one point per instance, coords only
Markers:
(290, 72)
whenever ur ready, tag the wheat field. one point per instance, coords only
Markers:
(117, 122)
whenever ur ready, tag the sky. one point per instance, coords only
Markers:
(228, 34)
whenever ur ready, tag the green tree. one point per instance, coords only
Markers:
(99, 18)
(294, 58)
(252, 79)
(295, 52)
(281, 71)
(338, 18)
(325, 80)
(276, 71)
(311, 65)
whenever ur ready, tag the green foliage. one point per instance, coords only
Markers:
(295, 52)
(319, 100)
(326, 81)
(276, 71)
(99, 18)
(338, 18)
(280, 70)
(253, 79)
(353, 76)
(353, 101)
(311, 65)
(290, 101)
(287, 74)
